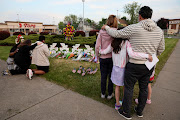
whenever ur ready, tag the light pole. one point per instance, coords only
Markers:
(117, 13)
(18, 22)
(83, 13)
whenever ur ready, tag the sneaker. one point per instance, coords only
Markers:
(138, 114)
(110, 96)
(102, 96)
(6, 72)
(29, 74)
(136, 101)
(125, 115)
(148, 101)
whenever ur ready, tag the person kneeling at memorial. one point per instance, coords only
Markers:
(40, 58)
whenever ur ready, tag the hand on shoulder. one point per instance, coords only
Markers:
(103, 27)
(39, 43)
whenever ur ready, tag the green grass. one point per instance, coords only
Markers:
(88, 85)
(4, 52)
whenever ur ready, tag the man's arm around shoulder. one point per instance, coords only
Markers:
(123, 33)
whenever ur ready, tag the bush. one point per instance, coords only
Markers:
(32, 33)
(93, 32)
(79, 33)
(4, 35)
(44, 33)
(53, 39)
(58, 36)
(18, 33)
(53, 33)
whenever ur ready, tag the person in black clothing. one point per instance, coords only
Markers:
(11, 66)
(22, 57)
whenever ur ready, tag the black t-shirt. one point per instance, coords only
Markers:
(22, 57)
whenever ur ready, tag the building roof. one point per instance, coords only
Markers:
(22, 22)
(122, 21)
(173, 19)
(3, 24)
(49, 25)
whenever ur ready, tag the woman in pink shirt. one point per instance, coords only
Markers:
(106, 64)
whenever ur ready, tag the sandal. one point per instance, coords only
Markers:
(117, 107)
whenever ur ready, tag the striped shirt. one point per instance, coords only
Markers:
(121, 58)
(144, 36)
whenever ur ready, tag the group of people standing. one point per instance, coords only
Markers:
(20, 58)
(123, 54)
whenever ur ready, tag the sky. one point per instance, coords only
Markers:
(54, 11)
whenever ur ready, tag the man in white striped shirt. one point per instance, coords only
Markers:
(145, 37)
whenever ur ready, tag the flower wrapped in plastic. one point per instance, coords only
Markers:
(19, 39)
(69, 32)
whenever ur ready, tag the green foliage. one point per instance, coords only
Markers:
(4, 35)
(101, 23)
(52, 39)
(73, 19)
(61, 25)
(162, 23)
(133, 11)
(91, 22)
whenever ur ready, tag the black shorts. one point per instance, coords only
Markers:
(43, 68)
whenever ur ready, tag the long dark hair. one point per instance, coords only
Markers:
(26, 42)
(116, 44)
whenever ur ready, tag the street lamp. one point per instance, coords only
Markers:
(117, 13)
(18, 22)
(83, 13)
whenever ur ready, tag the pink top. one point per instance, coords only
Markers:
(102, 42)
(121, 58)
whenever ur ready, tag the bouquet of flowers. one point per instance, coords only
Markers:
(69, 32)
(19, 39)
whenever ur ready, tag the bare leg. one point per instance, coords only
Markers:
(117, 94)
(38, 72)
(149, 91)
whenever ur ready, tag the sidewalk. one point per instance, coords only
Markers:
(38, 99)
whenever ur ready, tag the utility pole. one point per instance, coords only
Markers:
(83, 13)
(18, 22)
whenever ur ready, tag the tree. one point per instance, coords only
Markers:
(124, 18)
(73, 19)
(61, 25)
(91, 22)
(133, 11)
(163, 23)
(101, 23)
